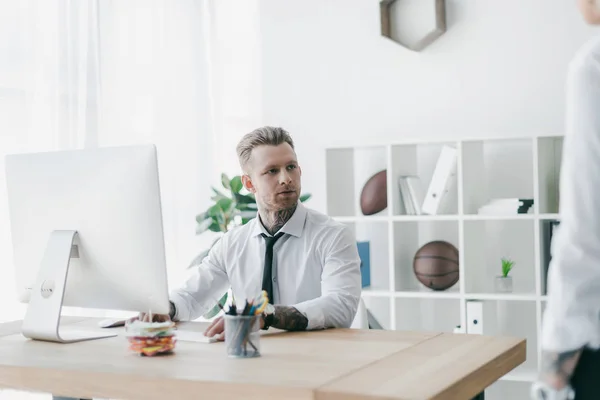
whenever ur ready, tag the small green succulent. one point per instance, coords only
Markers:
(507, 266)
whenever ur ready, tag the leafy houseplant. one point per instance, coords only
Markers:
(231, 208)
(504, 281)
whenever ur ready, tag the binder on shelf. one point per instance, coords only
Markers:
(414, 192)
(410, 194)
(406, 202)
(442, 180)
(475, 317)
(365, 263)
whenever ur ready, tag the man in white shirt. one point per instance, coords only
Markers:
(314, 281)
(571, 326)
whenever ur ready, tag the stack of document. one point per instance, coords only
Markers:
(509, 206)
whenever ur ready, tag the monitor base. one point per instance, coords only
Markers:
(42, 319)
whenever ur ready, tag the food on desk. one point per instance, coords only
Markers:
(151, 346)
(150, 338)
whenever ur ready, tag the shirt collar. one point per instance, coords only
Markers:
(294, 226)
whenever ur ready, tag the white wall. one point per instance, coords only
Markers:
(330, 78)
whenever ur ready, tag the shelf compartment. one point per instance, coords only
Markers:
(376, 233)
(409, 237)
(419, 161)
(509, 318)
(548, 166)
(487, 242)
(427, 315)
(348, 169)
(496, 169)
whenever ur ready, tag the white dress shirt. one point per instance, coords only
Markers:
(572, 315)
(316, 269)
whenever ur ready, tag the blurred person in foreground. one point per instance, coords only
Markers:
(571, 325)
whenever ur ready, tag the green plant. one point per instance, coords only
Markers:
(507, 266)
(231, 208)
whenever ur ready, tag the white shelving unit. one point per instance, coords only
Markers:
(486, 169)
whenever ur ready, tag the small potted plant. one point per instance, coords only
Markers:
(504, 282)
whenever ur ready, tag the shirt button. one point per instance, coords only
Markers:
(274, 279)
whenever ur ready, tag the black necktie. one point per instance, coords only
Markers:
(267, 283)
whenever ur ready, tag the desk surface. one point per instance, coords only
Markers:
(325, 365)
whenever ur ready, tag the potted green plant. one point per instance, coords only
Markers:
(504, 283)
(232, 207)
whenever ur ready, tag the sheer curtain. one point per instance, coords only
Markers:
(236, 75)
(77, 74)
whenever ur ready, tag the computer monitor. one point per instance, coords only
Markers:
(86, 228)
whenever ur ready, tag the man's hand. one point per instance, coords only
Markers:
(144, 317)
(557, 368)
(217, 327)
(288, 318)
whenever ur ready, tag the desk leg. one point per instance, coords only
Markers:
(480, 396)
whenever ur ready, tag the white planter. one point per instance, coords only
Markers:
(503, 284)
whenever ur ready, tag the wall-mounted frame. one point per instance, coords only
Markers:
(434, 30)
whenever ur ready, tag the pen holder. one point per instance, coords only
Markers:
(242, 335)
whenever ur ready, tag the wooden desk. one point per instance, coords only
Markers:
(325, 365)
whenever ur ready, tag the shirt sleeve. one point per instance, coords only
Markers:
(571, 318)
(204, 287)
(340, 286)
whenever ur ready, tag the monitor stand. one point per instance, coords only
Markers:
(42, 319)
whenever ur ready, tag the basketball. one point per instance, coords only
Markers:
(373, 197)
(436, 265)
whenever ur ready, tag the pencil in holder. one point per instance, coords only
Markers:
(242, 335)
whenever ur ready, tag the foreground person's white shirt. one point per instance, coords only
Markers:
(572, 316)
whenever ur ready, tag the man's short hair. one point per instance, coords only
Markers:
(267, 135)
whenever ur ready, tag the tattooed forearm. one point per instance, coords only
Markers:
(559, 367)
(289, 318)
(275, 220)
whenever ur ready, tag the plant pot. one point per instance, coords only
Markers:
(503, 284)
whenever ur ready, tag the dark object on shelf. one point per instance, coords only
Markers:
(506, 206)
(433, 30)
(373, 197)
(436, 265)
(548, 229)
(526, 204)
